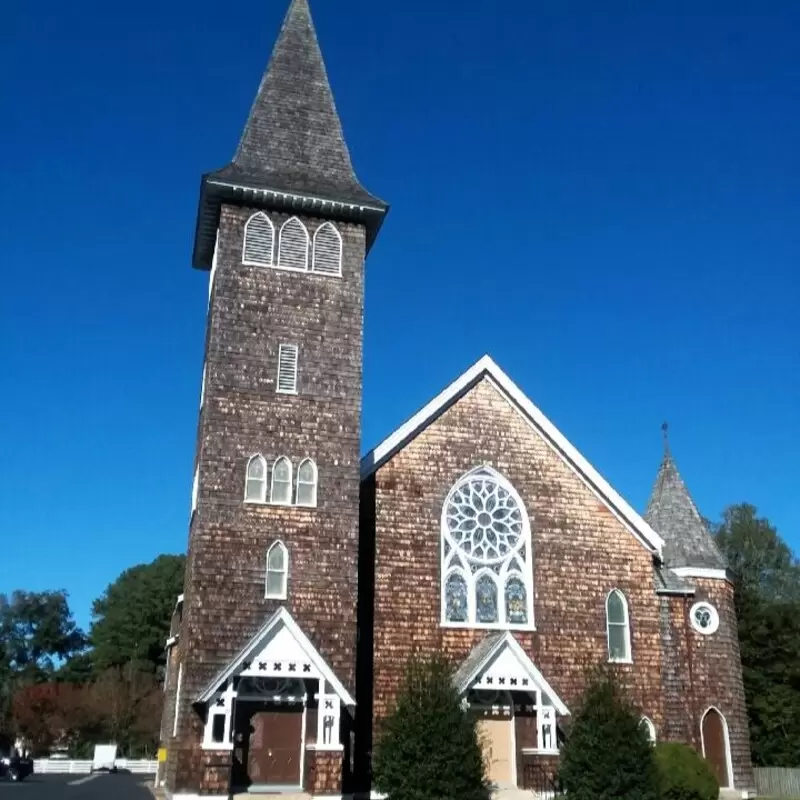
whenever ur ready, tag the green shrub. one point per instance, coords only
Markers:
(428, 747)
(684, 774)
(607, 755)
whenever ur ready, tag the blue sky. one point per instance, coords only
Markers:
(603, 196)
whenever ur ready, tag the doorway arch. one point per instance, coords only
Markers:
(716, 745)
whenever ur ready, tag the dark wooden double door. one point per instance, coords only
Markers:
(267, 745)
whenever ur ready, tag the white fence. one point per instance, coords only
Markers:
(49, 766)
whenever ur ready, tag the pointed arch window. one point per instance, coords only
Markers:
(618, 627)
(256, 484)
(281, 489)
(327, 250)
(293, 245)
(259, 240)
(487, 572)
(307, 483)
(646, 724)
(277, 572)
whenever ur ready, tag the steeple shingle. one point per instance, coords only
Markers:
(292, 144)
(673, 514)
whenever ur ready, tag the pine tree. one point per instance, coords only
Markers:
(607, 755)
(428, 748)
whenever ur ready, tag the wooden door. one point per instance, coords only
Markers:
(715, 747)
(495, 738)
(275, 746)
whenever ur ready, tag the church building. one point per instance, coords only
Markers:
(475, 529)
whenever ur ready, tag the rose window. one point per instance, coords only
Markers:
(704, 618)
(487, 573)
(484, 520)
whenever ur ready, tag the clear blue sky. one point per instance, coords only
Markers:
(603, 196)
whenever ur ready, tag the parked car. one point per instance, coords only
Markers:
(13, 767)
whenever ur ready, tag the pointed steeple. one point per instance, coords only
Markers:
(292, 149)
(673, 514)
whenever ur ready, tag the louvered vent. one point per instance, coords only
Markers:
(293, 246)
(327, 250)
(287, 369)
(259, 236)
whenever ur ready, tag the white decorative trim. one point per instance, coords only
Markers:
(524, 661)
(284, 572)
(326, 748)
(536, 751)
(272, 499)
(177, 710)
(280, 617)
(221, 746)
(702, 572)
(650, 729)
(195, 488)
(555, 439)
(728, 759)
(171, 641)
(713, 613)
(628, 657)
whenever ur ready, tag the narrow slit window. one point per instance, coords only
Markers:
(307, 483)
(287, 368)
(259, 238)
(277, 572)
(281, 491)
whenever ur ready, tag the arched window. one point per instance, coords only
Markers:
(327, 250)
(293, 245)
(256, 485)
(618, 627)
(281, 490)
(259, 237)
(650, 730)
(307, 483)
(487, 570)
(277, 572)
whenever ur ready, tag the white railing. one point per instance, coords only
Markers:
(49, 766)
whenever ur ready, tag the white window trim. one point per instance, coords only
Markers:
(278, 263)
(272, 483)
(281, 349)
(628, 659)
(283, 594)
(499, 579)
(177, 712)
(225, 711)
(651, 729)
(714, 618)
(315, 484)
(327, 226)
(271, 262)
(728, 759)
(247, 479)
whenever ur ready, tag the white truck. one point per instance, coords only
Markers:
(105, 758)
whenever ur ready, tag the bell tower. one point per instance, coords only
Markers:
(261, 681)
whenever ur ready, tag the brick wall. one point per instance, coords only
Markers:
(252, 311)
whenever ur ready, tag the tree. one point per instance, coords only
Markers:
(683, 774)
(132, 617)
(44, 714)
(428, 747)
(607, 755)
(767, 597)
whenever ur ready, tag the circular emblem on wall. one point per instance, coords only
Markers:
(704, 618)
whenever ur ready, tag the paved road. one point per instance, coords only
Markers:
(78, 787)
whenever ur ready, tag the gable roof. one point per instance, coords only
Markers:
(292, 148)
(489, 651)
(486, 368)
(280, 620)
(672, 512)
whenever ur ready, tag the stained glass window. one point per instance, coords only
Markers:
(516, 601)
(456, 598)
(485, 599)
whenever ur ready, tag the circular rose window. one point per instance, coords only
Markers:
(484, 520)
(704, 618)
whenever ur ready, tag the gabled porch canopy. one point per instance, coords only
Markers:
(280, 649)
(498, 663)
